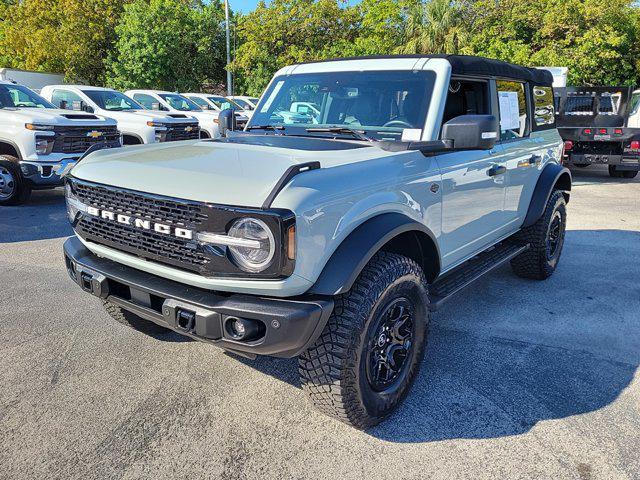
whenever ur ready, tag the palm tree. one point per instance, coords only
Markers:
(436, 26)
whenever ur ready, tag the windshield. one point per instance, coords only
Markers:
(178, 102)
(243, 104)
(223, 102)
(382, 104)
(17, 96)
(112, 100)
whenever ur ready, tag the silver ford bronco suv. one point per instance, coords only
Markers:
(330, 233)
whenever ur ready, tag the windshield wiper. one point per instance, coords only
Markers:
(265, 127)
(359, 134)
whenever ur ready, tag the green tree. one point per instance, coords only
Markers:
(290, 31)
(597, 40)
(73, 37)
(168, 44)
(436, 26)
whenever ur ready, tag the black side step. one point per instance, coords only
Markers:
(470, 271)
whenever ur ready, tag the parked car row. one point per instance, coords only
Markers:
(43, 135)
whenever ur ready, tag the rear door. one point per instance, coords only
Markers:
(522, 149)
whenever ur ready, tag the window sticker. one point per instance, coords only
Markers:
(411, 134)
(509, 111)
(272, 97)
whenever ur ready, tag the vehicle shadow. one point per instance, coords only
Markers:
(511, 352)
(597, 174)
(42, 217)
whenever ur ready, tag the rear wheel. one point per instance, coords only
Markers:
(14, 189)
(367, 357)
(545, 239)
(134, 321)
(615, 172)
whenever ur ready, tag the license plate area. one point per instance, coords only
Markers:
(602, 137)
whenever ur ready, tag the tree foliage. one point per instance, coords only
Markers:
(72, 37)
(179, 44)
(169, 45)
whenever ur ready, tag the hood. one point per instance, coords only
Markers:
(147, 115)
(55, 116)
(238, 171)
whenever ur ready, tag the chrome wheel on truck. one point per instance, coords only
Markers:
(13, 187)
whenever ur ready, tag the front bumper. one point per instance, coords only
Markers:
(46, 174)
(290, 325)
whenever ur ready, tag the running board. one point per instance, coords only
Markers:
(470, 271)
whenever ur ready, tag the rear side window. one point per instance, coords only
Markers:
(146, 101)
(514, 117)
(64, 99)
(543, 106)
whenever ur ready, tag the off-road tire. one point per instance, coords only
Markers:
(22, 190)
(536, 263)
(134, 321)
(334, 370)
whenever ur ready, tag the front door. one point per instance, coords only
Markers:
(473, 182)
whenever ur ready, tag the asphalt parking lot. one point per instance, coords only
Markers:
(520, 379)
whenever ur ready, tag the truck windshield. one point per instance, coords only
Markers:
(242, 104)
(223, 102)
(112, 100)
(179, 102)
(380, 104)
(17, 96)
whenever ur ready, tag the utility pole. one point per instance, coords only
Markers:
(226, 25)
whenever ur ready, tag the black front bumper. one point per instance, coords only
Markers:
(289, 325)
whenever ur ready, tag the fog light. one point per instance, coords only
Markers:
(242, 329)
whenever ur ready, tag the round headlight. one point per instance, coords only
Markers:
(252, 259)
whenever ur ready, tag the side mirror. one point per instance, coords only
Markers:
(155, 106)
(77, 105)
(471, 132)
(226, 121)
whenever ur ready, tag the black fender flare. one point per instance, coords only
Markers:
(551, 176)
(342, 269)
(133, 135)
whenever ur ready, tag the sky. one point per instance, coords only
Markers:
(246, 6)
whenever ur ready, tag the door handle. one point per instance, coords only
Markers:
(497, 170)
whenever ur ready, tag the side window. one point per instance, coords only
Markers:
(202, 103)
(544, 107)
(512, 100)
(145, 100)
(466, 97)
(64, 99)
(635, 103)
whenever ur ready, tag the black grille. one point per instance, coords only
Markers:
(146, 243)
(157, 209)
(79, 139)
(186, 254)
(189, 131)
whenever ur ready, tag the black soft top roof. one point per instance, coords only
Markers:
(471, 65)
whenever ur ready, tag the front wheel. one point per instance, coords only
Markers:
(545, 239)
(369, 353)
(14, 189)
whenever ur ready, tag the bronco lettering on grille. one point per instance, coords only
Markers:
(141, 223)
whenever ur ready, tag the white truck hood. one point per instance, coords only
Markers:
(238, 174)
(51, 116)
(144, 116)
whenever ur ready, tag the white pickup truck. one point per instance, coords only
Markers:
(217, 103)
(137, 125)
(175, 103)
(38, 141)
